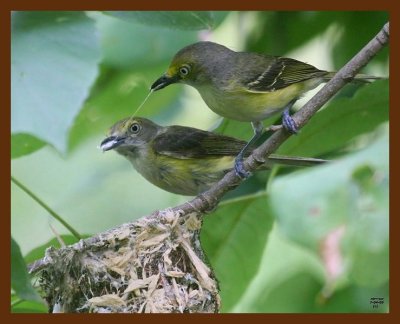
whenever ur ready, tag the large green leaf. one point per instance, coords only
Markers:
(20, 280)
(352, 194)
(234, 238)
(367, 243)
(53, 65)
(171, 19)
(287, 279)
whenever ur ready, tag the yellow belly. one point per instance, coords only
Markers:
(183, 176)
(253, 106)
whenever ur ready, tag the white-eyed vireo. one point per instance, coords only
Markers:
(181, 160)
(244, 86)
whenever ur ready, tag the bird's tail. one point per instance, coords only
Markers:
(292, 160)
(364, 78)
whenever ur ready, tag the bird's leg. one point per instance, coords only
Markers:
(287, 121)
(258, 128)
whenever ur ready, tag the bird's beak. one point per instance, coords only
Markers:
(164, 81)
(111, 142)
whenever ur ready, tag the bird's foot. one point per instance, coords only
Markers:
(239, 168)
(288, 122)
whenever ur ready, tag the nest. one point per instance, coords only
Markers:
(154, 265)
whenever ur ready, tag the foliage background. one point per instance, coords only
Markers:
(290, 240)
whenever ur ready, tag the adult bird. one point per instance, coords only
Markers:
(181, 160)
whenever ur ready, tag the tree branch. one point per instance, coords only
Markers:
(166, 240)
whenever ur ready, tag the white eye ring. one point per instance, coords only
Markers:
(135, 128)
(184, 70)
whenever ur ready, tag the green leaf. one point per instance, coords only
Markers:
(287, 279)
(350, 193)
(367, 242)
(234, 238)
(282, 299)
(20, 280)
(341, 121)
(23, 144)
(53, 65)
(171, 19)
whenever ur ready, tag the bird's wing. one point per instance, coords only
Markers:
(190, 143)
(281, 72)
(186, 142)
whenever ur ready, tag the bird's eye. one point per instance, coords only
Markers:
(135, 128)
(184, 70)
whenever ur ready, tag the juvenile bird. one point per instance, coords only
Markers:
(244, 86)
(181, 160)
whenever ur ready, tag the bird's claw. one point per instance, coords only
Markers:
(239, 169)
(288, 122)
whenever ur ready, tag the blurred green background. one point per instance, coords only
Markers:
(289, 240)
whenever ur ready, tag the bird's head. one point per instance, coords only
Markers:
(130, 134)
(193, 65)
